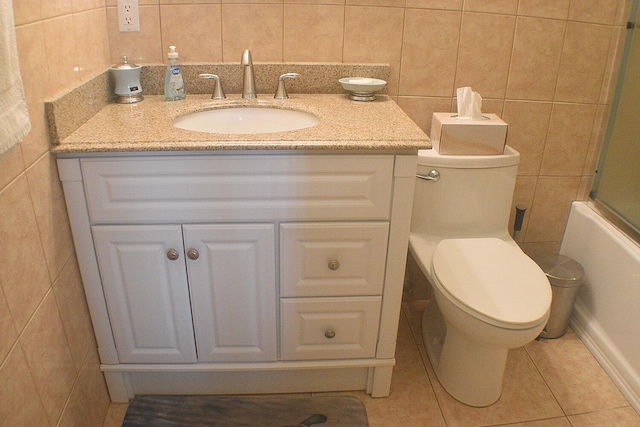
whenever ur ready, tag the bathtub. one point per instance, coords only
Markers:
(607, 312)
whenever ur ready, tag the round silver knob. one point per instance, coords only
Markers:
(329, 333)
(193, 254)
(173, 255)
(334, 264)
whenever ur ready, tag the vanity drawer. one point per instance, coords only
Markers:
(238, 187)
(332, 259)
(329, 328)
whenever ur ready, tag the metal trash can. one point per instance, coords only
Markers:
(565, 275)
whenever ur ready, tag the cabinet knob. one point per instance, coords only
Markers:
(329, 333)
(193, 254)
(173, 255)
(334, 264)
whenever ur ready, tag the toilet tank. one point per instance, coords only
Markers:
(471, 198)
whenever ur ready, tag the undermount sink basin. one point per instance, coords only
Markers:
(246, 120)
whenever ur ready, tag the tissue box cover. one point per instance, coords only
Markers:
(450, 135)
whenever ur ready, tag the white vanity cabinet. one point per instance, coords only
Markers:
(242, 272)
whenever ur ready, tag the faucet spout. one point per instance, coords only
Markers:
(248, 79)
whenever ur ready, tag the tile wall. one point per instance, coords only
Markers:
(545, 66)
(49, 367)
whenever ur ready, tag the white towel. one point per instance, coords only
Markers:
(14, 114)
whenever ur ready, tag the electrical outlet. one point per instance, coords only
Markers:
(128, 15)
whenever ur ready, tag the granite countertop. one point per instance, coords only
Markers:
(344, 125)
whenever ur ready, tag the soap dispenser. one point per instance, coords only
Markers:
(173, 83)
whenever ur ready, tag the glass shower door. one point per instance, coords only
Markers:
(617, 184)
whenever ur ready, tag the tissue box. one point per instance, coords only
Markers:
(450, 135)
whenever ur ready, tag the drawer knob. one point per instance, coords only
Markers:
(173, 255)
(330, 333)
(334, 264)
(193, 254)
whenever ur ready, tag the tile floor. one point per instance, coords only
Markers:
(548, 383)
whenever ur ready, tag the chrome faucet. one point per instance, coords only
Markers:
(248, 79)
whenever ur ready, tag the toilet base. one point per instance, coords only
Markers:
(470, 372)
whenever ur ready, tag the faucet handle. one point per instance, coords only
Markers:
(218, 93)
(281, 91)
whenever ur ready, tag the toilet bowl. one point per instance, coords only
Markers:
(489, 295)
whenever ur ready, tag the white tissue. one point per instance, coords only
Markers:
(469, 104)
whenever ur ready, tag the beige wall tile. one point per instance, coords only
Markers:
(384, 3)
(8, 334)
(381, 43)
(528, 125)
(556, 9)
(429, 51)
(80, 5)
(262, 31)
(492, 6)
(62, 53)
(586, 184)
(596, 11)
(141, 47)
(19, 401)
(11, 165)
(23, 276)
(93, 42)
(611, 73)
(74, 312)
(34, 69)
(568, 139)
(485, 51)
(54, 8)
(436, 4)
(203, 41)
(26, 11)
(597, 138)
(583, 63)
(89, 400)
(51, 213)
(313, 33)
(550, 210)
(421, 109)
(535, 61)
(50, 362)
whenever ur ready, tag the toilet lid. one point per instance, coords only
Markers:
(494, 279)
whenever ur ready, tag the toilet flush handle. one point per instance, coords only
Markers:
(433, 175)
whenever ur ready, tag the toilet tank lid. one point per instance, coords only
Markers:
(431, 157)
(493, 278)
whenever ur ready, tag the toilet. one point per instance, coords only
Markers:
(489, 295)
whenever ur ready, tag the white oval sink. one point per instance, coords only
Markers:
(246, 120)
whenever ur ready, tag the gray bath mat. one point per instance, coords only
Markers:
(267, 411)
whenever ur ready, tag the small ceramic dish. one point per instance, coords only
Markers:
(362, 88)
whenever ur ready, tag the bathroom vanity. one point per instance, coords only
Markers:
(260, 263)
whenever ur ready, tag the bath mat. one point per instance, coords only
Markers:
(259, 411)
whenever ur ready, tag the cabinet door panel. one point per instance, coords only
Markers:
(233, 291)
(147, 293)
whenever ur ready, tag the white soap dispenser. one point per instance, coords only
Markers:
(173, 83)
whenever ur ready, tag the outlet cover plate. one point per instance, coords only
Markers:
(128, 16)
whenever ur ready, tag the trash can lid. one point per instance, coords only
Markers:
(560, 267)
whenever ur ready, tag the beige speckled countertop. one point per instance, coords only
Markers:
(344, 125)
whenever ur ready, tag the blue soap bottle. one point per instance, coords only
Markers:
(173, 83)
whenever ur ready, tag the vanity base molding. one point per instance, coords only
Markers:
(125, 382)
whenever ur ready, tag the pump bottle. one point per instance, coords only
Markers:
(173, 83)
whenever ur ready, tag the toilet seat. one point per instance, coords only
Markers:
(493, 281)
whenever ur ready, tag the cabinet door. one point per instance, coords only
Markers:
(146, 292)
(233, 291)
